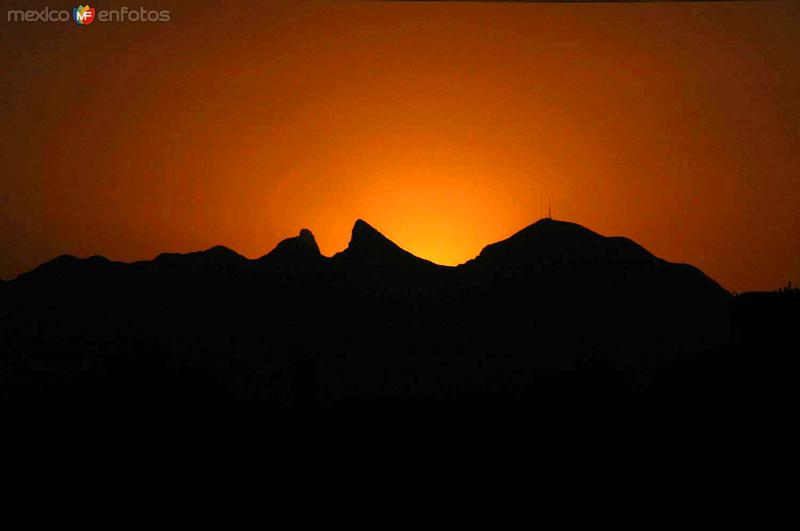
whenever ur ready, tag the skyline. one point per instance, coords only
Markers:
(445, 126)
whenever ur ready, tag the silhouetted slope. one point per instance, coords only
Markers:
(368, 248)
(571, 258)
(555, 310)
(215, 259)
(551, 244)
(300, 251)
(67, 266)
(374, 267)
(607, 300)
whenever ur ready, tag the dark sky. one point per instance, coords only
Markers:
(445, 125)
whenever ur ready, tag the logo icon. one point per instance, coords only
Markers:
(83, 15)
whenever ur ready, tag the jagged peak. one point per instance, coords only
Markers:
(306, 238)
(296, 248)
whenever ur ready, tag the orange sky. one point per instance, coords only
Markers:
(447, 126)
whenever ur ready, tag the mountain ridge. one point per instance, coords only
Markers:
(297, 251)
(546, 243)
(372, 321)
(369, 248)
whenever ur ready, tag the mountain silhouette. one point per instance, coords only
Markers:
(550, 243)
(568, 256)
(555, 310)
(300, 251)
(217, 258)
(370, 249)
(67, 266)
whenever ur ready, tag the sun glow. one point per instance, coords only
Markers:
(445, 125)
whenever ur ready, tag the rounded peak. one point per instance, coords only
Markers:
(549, 241)
(220, 250)
(219, 254)
(553, 229)
(550, 223)
(71, 259)
(67, 263)
(63, 259)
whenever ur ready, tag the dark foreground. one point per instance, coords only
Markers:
(555, 324)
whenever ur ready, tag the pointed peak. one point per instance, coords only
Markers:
(364, 233)
(361, 227)
(367, 239)
(369, 247)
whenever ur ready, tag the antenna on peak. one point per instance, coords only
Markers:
(549, 210)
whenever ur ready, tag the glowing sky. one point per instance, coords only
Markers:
(447, 126)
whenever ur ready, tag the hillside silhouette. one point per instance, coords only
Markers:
(556, 316)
